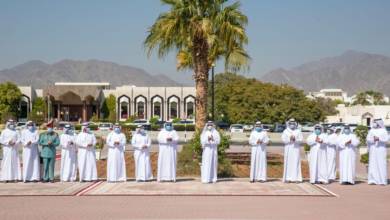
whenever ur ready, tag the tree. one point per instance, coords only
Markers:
(202, 32)
(361, 98)
(243, 100)
(39, 111)
(10, 96)
(109, 108)
(328, 105)
(369, 97)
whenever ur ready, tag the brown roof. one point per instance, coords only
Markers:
(83, 91)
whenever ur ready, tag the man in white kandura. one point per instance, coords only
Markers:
(68, 155)
(377, 139)
(30, 140)
(331, 152)
(167, 139)
(10, 164)
(210, 140)
(292, 139)
(116, 166)
(318, 164)
(347, 144)
(258, 140)
(141, 143)
(86, 142)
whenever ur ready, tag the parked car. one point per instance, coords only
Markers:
(105, 126)
(248, 127)
(143, 122)
(307, 127)
(279, 128)
(222, 125)
(20, 125)
(236, 128)
(353, 127)
(187, 122)
(61, 125)
(268, 127)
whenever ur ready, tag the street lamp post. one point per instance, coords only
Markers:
(212, 92)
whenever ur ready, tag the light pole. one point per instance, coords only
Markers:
(212, 92)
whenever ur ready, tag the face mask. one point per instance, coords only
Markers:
(168, 128)
(50, 130)
(142, 131)
(117, 130)
(258, 129)
(347, 131)
(317, 132)
(30, 128)
(375, 125)
(291, 126)
(209, 127)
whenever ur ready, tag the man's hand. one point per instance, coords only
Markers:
(259, 141)
(49, 142)
(145, 146)
(116, 143)
(318, 140)
(90, 145)
(169, 139)
(11, 143)
(376, 138)
(348, 142)
(292, 138)
(29, 143)
(70, 142)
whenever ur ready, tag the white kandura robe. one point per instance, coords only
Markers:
(209, 169)
(318, 164)
(331, 153)
(31, 169)
(68, 157)
(116, 166)
(347, 157)
(167, 155)
(143, 168)
(86, 156)
(377, 166)
(10, 165)
(258, 170)
(292, 157)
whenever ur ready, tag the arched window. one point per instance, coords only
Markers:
(140, 107)
(173, 110)
(124, 108)
(157, 107)
(190, 110)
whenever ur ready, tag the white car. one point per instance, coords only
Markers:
(307, 127)
(236, 128)
(105, 126)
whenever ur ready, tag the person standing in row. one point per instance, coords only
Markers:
(377, 139)
(10, 164)
(68, 155)
(49, 141)
(347, 144)
(141, 143)
(292, 139)
(331, 152)
(318, 164)
(29, 140)
(210, 140)
(116, 166)
(167, 139)
(86, 142)
(258, 141)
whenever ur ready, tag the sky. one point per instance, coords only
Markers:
(282, 33)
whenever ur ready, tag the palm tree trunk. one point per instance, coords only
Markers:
(201, 75)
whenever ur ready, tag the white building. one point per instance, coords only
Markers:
(334, 94)
(359, 114)
(80, 101)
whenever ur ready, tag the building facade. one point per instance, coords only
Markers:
(81, 101)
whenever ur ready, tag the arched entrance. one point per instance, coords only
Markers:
(367, 119)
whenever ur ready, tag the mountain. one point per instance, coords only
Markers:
(40, 74)
(352, 71)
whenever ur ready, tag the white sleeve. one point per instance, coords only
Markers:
(252, 139)
(311, 140)
(355, 141)
(265, 138)
(370, 138)
(285, 138)
(109, 141)
(175, 137)
(161, 138)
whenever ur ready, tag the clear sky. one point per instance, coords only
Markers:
(282, 33)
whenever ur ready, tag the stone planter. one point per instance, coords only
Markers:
(97, 154)
(363, 150)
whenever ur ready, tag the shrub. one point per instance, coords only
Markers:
(306, 147)
(100, 141)
(154, 120)
(361, 132)
(182, 127)
(364, 158)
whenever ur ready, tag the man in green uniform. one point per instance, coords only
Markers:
(49, 141)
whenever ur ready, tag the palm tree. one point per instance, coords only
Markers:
(201, 32)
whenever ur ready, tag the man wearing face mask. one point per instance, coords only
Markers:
(376, 141)
(141, 143)
(116, 166)
(167, 139)
(210, 140)
(68, 155)
(49, 141)
(331, 152)
(10, 164)
(86, 142)
(258, 140)
(347, 144)
(30, 139)
(318, 163)
(292, 139)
